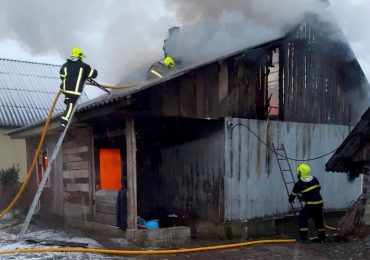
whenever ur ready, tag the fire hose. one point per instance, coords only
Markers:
(143, 252)
(108, 251)
(42, 139)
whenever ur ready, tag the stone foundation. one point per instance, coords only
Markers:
(164, 237)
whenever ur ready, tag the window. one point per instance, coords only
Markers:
(273, 85)
(41, 166)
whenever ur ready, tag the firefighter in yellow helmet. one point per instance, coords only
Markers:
(73, 74)
(308, 189)
(162, 68)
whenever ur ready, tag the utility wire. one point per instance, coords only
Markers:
(271, 149)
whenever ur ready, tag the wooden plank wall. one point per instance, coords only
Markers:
(312, 81)
(312, 77)
(77, 180)
(189, 180)
(106, 207)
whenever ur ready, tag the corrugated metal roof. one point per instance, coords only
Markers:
(27, 90)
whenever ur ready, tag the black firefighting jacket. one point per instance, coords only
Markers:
(308, 190)
(73, 75)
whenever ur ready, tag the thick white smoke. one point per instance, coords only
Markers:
(353, 18)
(117, 36)
(120, 36)
(210, 28)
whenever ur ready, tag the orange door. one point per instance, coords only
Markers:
(110, 169)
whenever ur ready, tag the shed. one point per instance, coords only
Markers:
(197, 143)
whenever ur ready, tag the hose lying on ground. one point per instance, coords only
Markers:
(143, 252)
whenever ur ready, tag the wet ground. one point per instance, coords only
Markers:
(357, 248)
(352, 250)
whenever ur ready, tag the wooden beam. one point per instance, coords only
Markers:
(131, 174)
(110, 134)
(93, 113)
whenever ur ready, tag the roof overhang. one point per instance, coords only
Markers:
(342, 159)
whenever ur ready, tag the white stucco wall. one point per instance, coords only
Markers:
(12, 152)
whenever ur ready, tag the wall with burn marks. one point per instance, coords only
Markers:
(253, 182)
(191, 175)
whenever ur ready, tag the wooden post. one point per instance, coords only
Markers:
(131, 174)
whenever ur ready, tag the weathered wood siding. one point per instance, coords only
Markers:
(191, 178)
(253, 183)
(106, 207)
(314, 75)
(52, 197)
(77, 180)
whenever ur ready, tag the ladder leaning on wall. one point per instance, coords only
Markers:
(287, 175)
(36, 199)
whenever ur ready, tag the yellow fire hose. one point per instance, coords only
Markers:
(143, 252)
(108, 251)
(30, 171)
(42, 139)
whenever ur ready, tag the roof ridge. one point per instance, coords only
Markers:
(30, 62)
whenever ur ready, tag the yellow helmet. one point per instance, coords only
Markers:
(78, 53)
(304, 170)
(169, 62)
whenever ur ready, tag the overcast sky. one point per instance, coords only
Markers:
(118, 37)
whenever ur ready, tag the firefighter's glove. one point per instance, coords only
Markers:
(291, 198)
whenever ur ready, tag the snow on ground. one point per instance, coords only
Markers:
(9, 241)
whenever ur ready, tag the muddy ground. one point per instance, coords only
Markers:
(357, 248)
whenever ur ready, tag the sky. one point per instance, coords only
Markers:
(122, 37)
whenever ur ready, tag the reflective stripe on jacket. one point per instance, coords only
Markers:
(73, 75)
(309, 191)
(158, 70)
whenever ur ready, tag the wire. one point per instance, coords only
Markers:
(286, 157)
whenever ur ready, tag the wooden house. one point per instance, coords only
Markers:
(198, 143)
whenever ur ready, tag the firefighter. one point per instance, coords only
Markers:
(162, 68)
(73, 74)
(308, 190)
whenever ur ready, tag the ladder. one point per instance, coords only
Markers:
(287, 175)
(45, 177)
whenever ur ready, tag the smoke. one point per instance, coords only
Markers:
(210, 28)
(122, 38)
(353, 18)
(117, 36)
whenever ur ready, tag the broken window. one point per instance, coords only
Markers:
(273, 85)
(42, 165)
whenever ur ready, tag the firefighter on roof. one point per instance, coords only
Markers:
(308, 190)
(73, 74)
(162, 68)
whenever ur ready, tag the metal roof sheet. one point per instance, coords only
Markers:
(27, 90)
